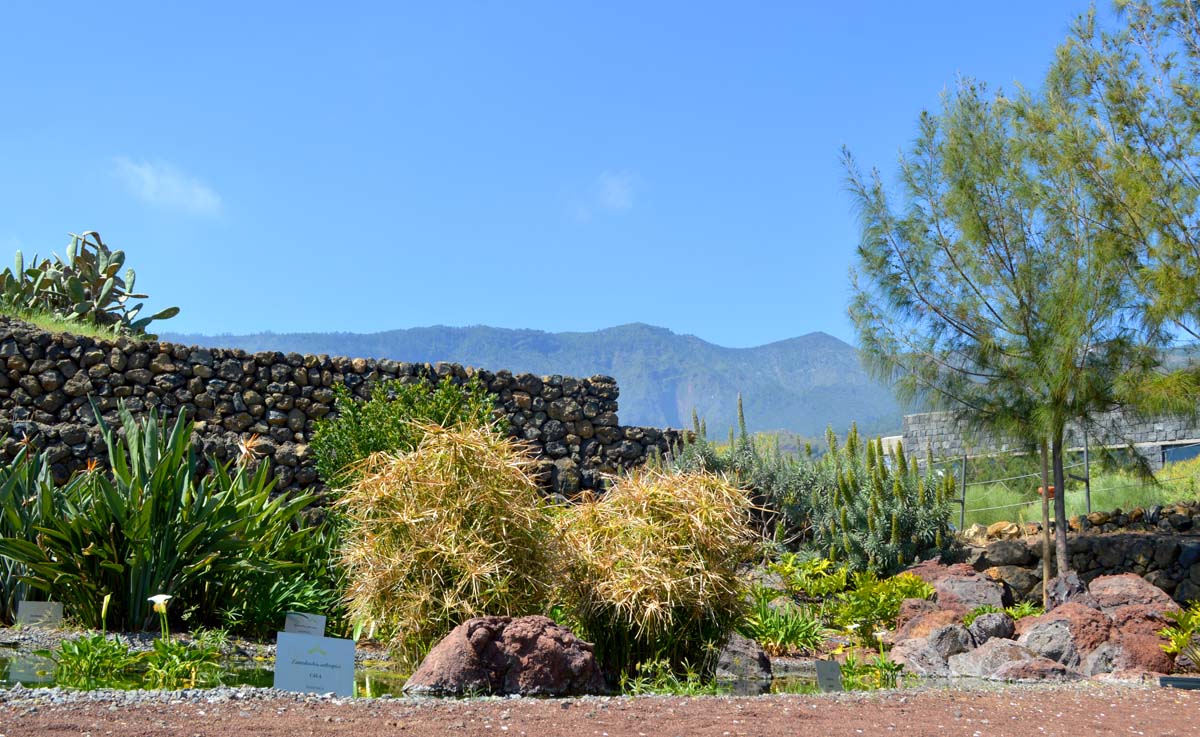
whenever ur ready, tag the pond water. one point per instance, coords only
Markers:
(370, 681)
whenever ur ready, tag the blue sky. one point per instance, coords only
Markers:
(557, 165)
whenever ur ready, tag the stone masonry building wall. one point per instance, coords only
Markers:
(947, 437)
(48, 382)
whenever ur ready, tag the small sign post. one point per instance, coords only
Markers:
(46, 614)
(304, 624)
(311, 664)
(829, 675)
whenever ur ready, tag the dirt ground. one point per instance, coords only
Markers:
(1019, 711)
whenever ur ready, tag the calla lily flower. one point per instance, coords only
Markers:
(160, 600)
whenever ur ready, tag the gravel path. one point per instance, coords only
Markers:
(1020, 711)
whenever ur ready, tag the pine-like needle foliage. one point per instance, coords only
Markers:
(995, 285)
(653, 568)
(454, 529)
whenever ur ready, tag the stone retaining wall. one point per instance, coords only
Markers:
(1162, 546)
(47, 380)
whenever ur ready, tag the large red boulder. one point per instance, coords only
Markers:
(910, 609)
(1124, 589)
(529, 656)
(922, 625)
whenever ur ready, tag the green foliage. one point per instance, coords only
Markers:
(872, 604)
(99, 661)
(1183, 637)
(810, 578)
(155, 526)
(975, 613)
(876, 672)
(776, 480)
(91, 661)
(660, 678)
(85, 287)
(453, 529)
(653, 568)
(173, 664)
(876, 511)
(391, 420)
(856, 504)
(28, 498)
(1000, 286)
(1024, 609)
(782, 628)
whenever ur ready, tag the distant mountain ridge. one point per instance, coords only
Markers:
(801, 384)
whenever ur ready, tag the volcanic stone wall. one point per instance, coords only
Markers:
(1160, 544)
(49, 381)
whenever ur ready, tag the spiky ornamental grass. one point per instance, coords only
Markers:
(653, 568)
(454, 529)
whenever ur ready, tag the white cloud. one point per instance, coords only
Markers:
(160, 184)
(612, 192)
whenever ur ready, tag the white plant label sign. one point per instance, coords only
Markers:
(39, 614)
(829, 675)
(311, 664)
(304, 624)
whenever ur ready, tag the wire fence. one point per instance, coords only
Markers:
(1011, 486)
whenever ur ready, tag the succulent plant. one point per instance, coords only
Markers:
(86, 286)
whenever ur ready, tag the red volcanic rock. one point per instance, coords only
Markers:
(1129, 588)
(530, 656)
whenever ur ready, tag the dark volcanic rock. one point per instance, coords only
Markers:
(743, 660)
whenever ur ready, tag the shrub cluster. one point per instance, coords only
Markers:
(392, 420)
(855, 504)
(152, 525)
(453, 529)
(652, 570)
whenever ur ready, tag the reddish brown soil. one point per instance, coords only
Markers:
(1067, 711)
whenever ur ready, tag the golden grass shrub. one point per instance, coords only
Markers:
(454, 529)
(653, 568)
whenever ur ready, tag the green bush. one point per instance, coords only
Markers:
(856, 504)
(782, 628)
(391, 421)
(874, 510)
(154, 526)
(454, 529)
(653, 569)
(872, 604)
(86, 287)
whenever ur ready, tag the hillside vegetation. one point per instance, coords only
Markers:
(802, 385)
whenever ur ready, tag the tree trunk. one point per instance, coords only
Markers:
(1047, 573)
(1060, 506)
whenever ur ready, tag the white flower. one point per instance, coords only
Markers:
(852, 626)
(160, 599)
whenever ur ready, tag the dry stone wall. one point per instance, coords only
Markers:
(49, 381)
(1160, 544)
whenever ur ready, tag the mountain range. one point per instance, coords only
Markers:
(800, 385)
